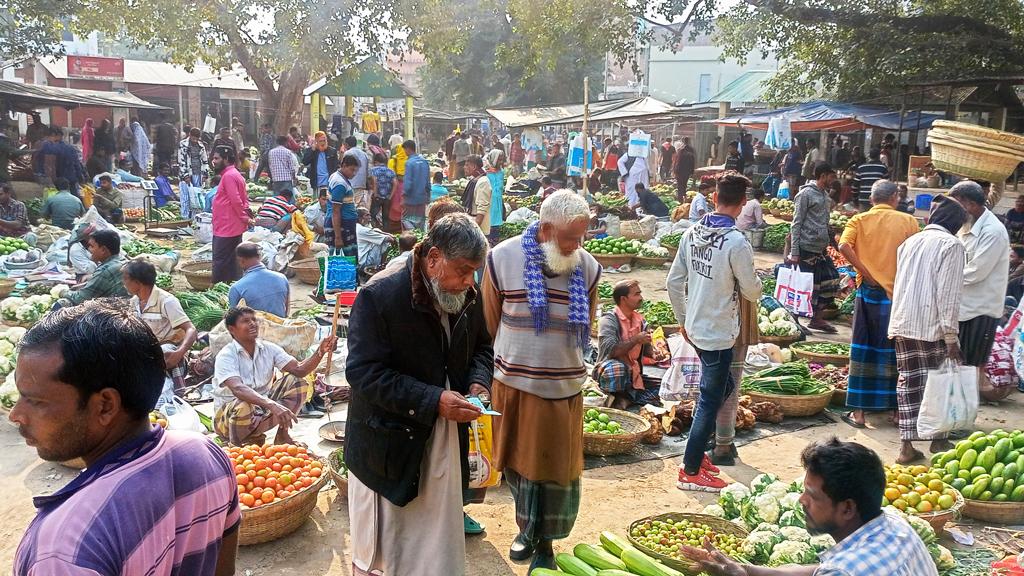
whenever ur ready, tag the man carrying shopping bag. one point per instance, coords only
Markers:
(810, 237)
(925, 304)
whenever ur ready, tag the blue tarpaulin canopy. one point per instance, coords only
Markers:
(836, 116)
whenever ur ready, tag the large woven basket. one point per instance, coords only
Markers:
(645, 261)
(793, 405)
(838, 397)
(979, 131)
(717, 524)
(980, 141)
(996, 512)
(834, 359)
(971, 161)
(272, 521)
(340, 480)
(198, 274)
(633, 428)
(614, 260)
(938, 519)
(780, 341)
(785, 217)
(306, 270)
(672, 250)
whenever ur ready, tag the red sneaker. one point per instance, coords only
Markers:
(702, 481)
(706, 464)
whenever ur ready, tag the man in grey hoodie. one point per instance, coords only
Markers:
(713, 269)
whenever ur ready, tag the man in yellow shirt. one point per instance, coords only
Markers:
(869, 242)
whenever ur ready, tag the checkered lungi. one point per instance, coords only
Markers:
(544, 510)
(826, 277)
(914, 358)
(613, 376)
(237, 420)
(872, 383)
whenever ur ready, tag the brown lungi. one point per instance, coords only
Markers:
(541, 439)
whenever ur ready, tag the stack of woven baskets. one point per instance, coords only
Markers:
(975, 151)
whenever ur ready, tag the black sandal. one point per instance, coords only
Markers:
(848, 418)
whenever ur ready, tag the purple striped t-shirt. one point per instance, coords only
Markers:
(158, 505)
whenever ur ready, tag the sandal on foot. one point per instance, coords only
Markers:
(471, 527)
(848, 418)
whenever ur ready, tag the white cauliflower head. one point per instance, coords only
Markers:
(792, 552)
(795, 533)
(714, 510)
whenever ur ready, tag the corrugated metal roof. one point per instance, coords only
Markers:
(146, 72)
(24, 97)
(748, 87)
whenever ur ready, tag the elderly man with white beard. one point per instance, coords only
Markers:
(418, 345)
(540, 293)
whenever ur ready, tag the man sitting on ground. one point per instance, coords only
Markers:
(108, 200)
(14, 216)
(104, 248)
(248, 401)
(843, 484)
(623, 341)
(162, 312)
(261, 289)
(149, 501)
(315, 214)
(63, 207)
(373, 243)
(276, 211)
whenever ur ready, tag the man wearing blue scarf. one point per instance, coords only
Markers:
(540, 292)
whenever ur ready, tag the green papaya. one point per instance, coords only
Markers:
(948, 478)
(958, 484)
(980, 443)
(987, 458)
(981, 483)
(952, 467)
(1011, 471)
(963, 473)
(975, 435)
(1000, 498)
(1008, 486)
(946, 457)
(1018, 441)
(1003, 447)
(986, 496)
(996, 486)
(1011, 456)
(968, 491)
(997, 469)
(1020, 462)
(1018, 494)
(999, 433)
(977, 471)
(961, 447)
(968, 459)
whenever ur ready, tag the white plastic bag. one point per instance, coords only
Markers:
(794, 289)
(682, 380)
(950, 400)
(522, 215)
(182, 416)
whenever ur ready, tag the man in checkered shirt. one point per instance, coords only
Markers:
(283, 166)
(842, 497)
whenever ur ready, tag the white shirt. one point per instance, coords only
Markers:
(369, 242)
(256, 373)
(929, 283)
(698, 207)
(314, 215)
(987, 267)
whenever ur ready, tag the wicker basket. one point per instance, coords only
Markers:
(272, 521)
(7, 286)
(613, 260)
(670, 329)
(198, 274)
(995, 512)
(340, 480)
(968, 160)
(306, 270)
(780, 341)
(633, 428)
(938, 519)
(793, 405)
(833, 359)
(979, 141)
(717, 524)
(979, 131)
(671, 250)
(645, 261)
(785, 217)
(838, 398)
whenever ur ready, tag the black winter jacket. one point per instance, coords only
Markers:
(398, 359)
(309, 159)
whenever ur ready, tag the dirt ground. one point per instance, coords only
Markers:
(613, 496)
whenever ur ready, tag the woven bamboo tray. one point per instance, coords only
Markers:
(785, 217)
(670, 329)
(272, 521)
(775, 212)
(340, 480)
(979, 131)
(833, 359)
(306, 270)
(717, 524)
(645, 261)
(792, 405)
(938, 519)
(838, 398)
(633, 426)
(614, 260)
(198, 274)
(996, 512)
(967, 160)
(780, 341)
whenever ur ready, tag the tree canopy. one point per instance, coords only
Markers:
(33, 27)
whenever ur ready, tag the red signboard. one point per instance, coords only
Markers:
(96, 67)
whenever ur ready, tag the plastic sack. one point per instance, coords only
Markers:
(794, 289)
(182, 416)
(522, 215)
(295, 335)
(1000, 367)
(482, 473)
(162, 262)
(79, 259)
(642, 229)
(950, 400)
(46, 235)
(682, 380)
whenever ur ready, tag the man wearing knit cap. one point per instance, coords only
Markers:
(539, 293)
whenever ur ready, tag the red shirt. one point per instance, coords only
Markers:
(230, 205)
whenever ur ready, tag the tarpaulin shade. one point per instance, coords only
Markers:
(607, 111)
(821, 115)
(27, 97)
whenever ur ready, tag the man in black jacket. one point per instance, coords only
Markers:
(320, 161)
(418, 345)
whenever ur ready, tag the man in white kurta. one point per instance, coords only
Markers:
(634, 170)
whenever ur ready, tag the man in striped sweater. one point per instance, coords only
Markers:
(539, 292)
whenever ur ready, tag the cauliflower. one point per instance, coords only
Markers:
(777, 489)
(761, 481)
(14, 334)
(822, 542)
(767, 527)
(8, 392)
(26, 313)
(757, 546)
(9, 307)
(778, 314)
(795, 533)
(942, 557)
(793, 518)
(58, 291)
(731, 498)
(922, 527)
(714, 510)
(798, 484)
(761, 508)
(791, 501)
(765, 327)
(791, 552)
(739, 521)
(6, 365)
(785, 327)
(6, 348)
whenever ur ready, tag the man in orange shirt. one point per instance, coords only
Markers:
(869, 243)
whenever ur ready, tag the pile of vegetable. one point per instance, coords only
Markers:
(657, 313)
(611, 246)
(768, 285)
(790, 379)
(268, 473)
(511, 230)
(134, 213)
(780, 205)
(837, 220)
(671, 240)
(604, 290)
(28, 310)
(143, 246)
(775, 237)
(668, 538)
(648, 251)
(310, 313)
(205, 309)
(597, 422)
(9, 245)
(9, 339)
(34, 208)
(164, 281)
(827, 348)
(834, 376)
(303, 201)
(610, 200)
(778, 322)
(916, 490)
(614, 557)
(942, 557)
(167, 213)
(986, 467)
(257, 191)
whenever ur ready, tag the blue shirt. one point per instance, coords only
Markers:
(340, 191)
(128, 176)
(163, 191)
(437, 191)
(885, 545)
(66, 162)
(416, 191)
(261, 289)
(321, 170)
(385, 178)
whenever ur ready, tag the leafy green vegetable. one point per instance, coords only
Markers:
(604, 290)
(657, 313)
(775, 237)
(164, 282)
(830, 348)
(671, 239)
(143, 246)
(791, 379)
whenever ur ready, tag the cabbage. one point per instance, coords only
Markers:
(58, 291)
(791, 501)
(757, 546)
(760, 508)
(792, 552)
(795, 533)
(793, 518)
(760, 482)
(714, 510)
(822, 542)
(777, 489)
(778, 314)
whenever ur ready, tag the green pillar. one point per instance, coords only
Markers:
(314, 113)
(408, 118)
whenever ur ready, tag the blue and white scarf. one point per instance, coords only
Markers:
(537, 291)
